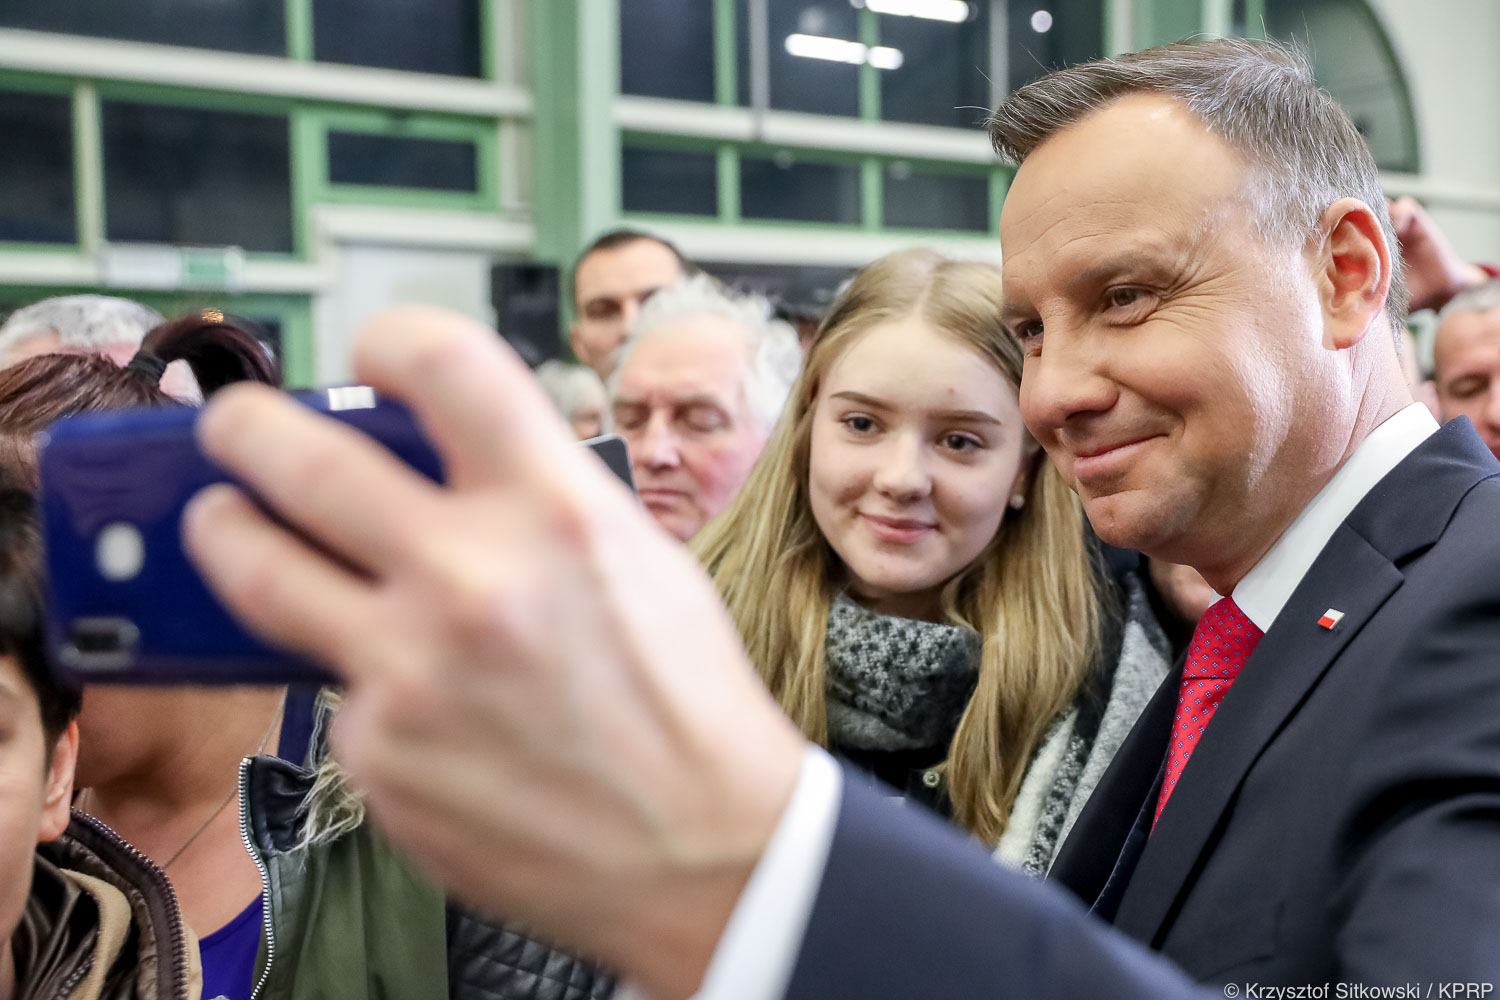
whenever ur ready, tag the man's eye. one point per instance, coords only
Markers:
(628, 420)
(1126, 297)
(704, 419)
(1029, 336)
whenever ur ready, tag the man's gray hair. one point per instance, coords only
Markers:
(1259, 97)
(569, 386)
(774, 354)
(83, 323)
(1479, 299)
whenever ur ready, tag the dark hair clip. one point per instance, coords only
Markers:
(147, 365)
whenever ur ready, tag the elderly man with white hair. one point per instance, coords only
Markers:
(89, 324)
(701, 382)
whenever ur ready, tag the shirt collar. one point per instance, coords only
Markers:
(1268, 586)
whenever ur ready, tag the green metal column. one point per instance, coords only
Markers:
(576, 60)
(1218, 18)
(1160, 21)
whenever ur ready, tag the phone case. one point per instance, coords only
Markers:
(124, 602)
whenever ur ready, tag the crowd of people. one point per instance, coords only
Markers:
(1137, 573)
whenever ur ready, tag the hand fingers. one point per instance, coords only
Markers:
(348, 492)
(483, 410)
(275, 583)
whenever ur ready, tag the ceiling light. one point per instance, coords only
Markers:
(1041, 22)
(842, 50)
(952, 11)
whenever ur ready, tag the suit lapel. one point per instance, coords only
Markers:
(1350, 576)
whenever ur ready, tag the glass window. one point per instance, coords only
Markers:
(1354, 61)
(190, 176)
(257, 26)
(423, 36)
(812, 78)
(781, 187)
(36, 169)
(667, 49)
(660, 180)
(944, 74)
(917, 199)
(1048, 34)
(399, 161)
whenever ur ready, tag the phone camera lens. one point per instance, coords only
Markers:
(120, 552)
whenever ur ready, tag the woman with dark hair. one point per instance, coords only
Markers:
(292, 893)
(160, 766)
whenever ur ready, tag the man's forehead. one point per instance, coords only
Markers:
(701, 355)
(635, 267)
(1471, 334)
(1143, 169)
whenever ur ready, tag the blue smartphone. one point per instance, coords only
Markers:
(124, 602)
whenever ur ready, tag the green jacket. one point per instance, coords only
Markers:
(353, 920)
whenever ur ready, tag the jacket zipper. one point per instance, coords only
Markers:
(265, 877)
(179, 943)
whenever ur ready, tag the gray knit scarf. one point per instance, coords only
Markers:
(896, 683)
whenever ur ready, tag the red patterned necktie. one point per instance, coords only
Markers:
(1222, 642)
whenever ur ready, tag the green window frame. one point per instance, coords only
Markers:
(483, 133)
(872, 185)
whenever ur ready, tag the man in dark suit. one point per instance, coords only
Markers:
(1201, 269)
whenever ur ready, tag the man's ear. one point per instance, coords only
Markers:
(1354, 271)
(59, 796)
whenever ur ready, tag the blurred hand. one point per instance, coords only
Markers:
(1434, 270)
(547, 705)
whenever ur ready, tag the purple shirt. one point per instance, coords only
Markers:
(228, 956)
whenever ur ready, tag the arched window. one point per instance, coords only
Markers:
(1354, 60)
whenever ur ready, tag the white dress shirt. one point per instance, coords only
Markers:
(760, 944)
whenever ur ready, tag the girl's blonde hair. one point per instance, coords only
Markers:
(1031, 595)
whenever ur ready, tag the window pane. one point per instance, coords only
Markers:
(36, 169)
(916, 200)
(782, 188)
(667, 49)
(657, 180)
(943, 78)
(423, 36)
(181, 175)
(257, 26)
(394, 161)
(1072, 31)
(1353, 59)
(804, 83)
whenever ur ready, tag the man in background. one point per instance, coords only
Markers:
(612, 279)
(700, 384)
(1466, 361)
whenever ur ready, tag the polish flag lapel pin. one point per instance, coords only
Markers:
(1330, 618)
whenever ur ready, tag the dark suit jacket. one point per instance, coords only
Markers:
(1338, 822)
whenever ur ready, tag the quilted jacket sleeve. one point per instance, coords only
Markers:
(489, 961)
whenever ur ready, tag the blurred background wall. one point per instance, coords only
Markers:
(303, 162)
